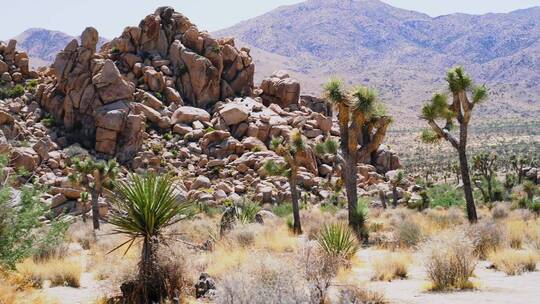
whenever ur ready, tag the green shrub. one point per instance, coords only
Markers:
(48, 121)
(445, 195)
(31, 85)
(282, 210)
(13, 92)
(338, 240)
(247, 212)
(22, 233)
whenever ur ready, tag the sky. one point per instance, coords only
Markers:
(109, 17)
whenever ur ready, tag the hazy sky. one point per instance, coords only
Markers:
(110, 16)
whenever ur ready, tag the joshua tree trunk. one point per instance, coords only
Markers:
(395, 196)
(297, 227)
(382, 197)
(467, 187)
(95, 208)
(352, 194)
(153, 289)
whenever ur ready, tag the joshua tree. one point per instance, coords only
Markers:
(519, 162)
(362, 126)
(460, 109)
(94, 175)
(485, 166)
(396, 181)
(289, 151)
(142, 208)
(529, 188)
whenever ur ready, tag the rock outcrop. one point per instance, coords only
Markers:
(280, 89)
(167, 53)
(93, 101)
(14, 65)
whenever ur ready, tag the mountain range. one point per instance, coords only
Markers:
(404, 54)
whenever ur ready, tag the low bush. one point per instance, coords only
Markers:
(391, 266)
(263, 280)
(487, 237)
(500, 211)
(13, 92)
(352, 294)
(516, 231)
(514, 262)
(408, 233)
(60, 272)
(449, 261)
(338, 240)
(445, 195)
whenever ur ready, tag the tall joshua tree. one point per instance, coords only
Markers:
(94, 175)
(289, 151)
(362, 127)
(485, 167)
(459, 109)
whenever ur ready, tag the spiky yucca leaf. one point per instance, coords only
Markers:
(333, 91)
(144, 205)
(247, 212)
(273, 168)
(429, 112)
(429, 136)
(458, 80)
(479, 94)
(297, 142)
(338, 240)
(275, 142)
(364, 99)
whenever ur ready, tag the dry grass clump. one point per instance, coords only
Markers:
(440, 219)
(61, 272)
(82, 233)
(514, 262)
(408, 233)
(516, 231)
(13, 294)
(500, 211)
(177, 270)
(313, 220)
(352, 294)
(532, 238)
(391, 266)
(487, 237)
(197, 230)
(449, 261)
(264, 279)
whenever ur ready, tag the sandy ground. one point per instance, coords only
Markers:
(492, 286)
(89, 292)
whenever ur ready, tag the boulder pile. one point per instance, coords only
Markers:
(166, 97)
(14, 65)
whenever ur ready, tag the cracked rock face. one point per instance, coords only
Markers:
(93, 100)
(166, 53)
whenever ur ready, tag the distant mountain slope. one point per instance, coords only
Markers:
(402, 53)
(42, 45)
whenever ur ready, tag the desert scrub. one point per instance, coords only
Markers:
(445, 195)
(391, 266)
(353, 294)
(487, 237)
(261, 280)
(514, 262)
(516, 231)
(60, 272)
(338, 240)
(449, 261)
(500, 211)
(408, 233)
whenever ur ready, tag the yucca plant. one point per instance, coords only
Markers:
(143, 207)
(247, 212)
(338, 240)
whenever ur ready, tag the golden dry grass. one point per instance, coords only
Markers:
(60, 272)
(10, 293)
(516, 231)
(514, 262)
(394, 265)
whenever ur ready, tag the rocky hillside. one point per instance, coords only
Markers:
(42, 45)
(402, 53)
